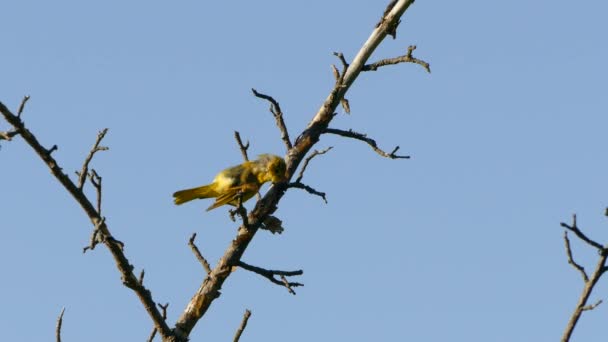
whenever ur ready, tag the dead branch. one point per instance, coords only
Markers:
(82, 175)
(8, 136)
(270, 275)
(114, 246)
(22, 105)
(340, 77)
(574, 228)
(308, 159)
(198, 254)
(309, 189)
(209, 289)
(58, 326)
(589, 282)
(154, 330)
(275, 109)
(242, 327)
(96, 181)
(242, 147)
(363, 137)
(407, 58)
(571, 261)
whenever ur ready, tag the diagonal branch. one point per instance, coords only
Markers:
(363, 137)
(198, 254)
(115, 248)
(209, 288)
(242, 327)
(275, 109)
(270, 275)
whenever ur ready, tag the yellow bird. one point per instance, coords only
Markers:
(242, 180)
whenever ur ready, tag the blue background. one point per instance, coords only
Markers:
(460, 243)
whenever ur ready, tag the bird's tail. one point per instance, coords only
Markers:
(205, 191)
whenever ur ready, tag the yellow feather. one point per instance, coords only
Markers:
(242, 180)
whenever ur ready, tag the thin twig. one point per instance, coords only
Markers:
(309, 189)
(242, 147)
(154, 330)
(270, 275)
(308, 159)
(198, 254)
(340, 78)
(82, 175)
(407, 58)
(574, 228)
(58, 327)
(287, 285)
(242, 327)
(22, 105)
(8, 136)
(592, 306)
(571, 261)
(96, 181)
(275, 109)
(360, 136)
(97, 235)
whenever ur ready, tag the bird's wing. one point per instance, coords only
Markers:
(231, 195)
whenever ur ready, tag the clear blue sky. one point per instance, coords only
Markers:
(460, 243)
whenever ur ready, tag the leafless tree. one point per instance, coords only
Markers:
(298, 152)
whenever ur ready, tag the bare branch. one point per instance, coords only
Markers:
(592, 306)
(340, 56)
(209, 289)
(82, 175)
(287, 285)
(154, 330)
(571, 261)
(96, 181)
(22, 105)
(270, 275)
(308, 189)
(242, 327)
(574, 228)
(363, 137)
(340, 77)
(407, 58)
(275, 109)
(198, 254)
(308, 159)
(8, 136)
(114, 246)
(96, 236)
(58, 327)
(242, 147)
(590, 282)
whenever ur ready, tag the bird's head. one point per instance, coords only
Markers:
(275, 167)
